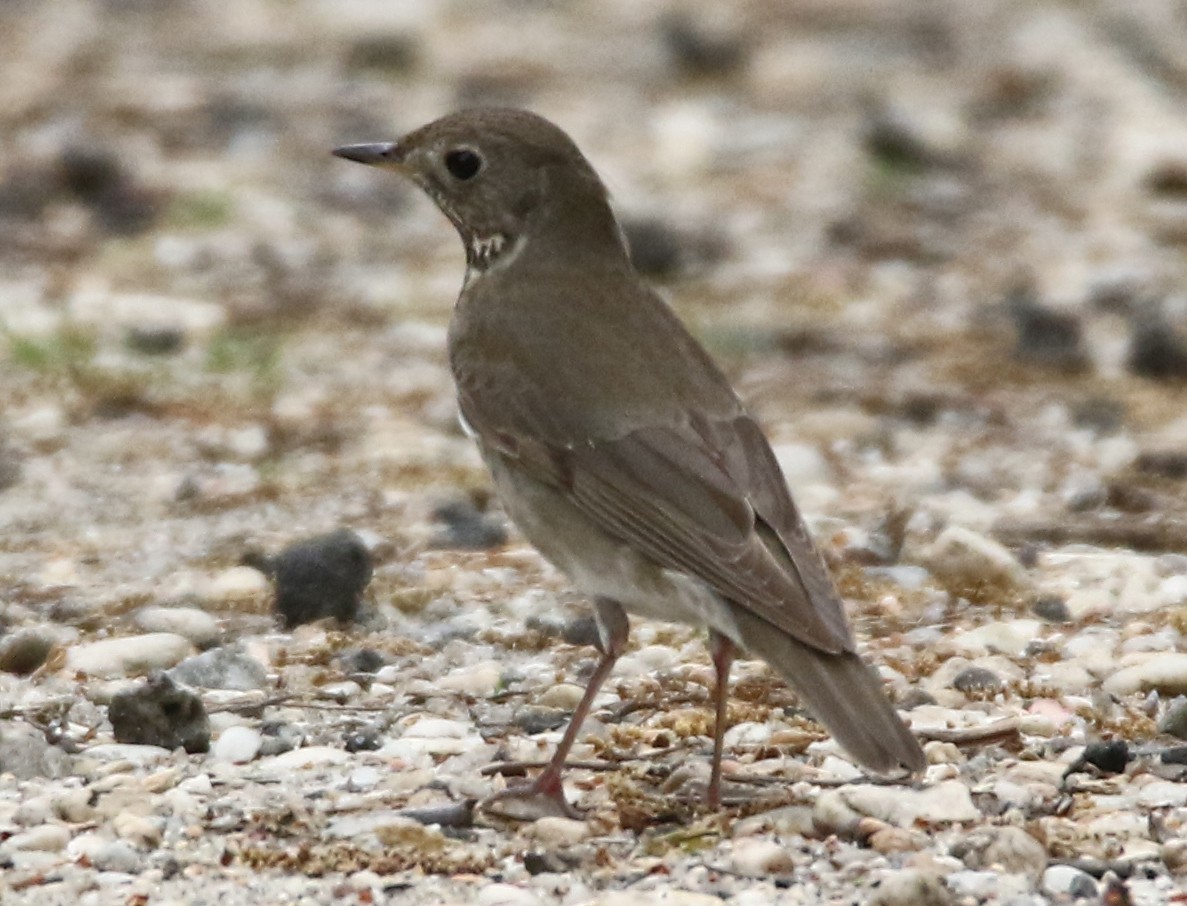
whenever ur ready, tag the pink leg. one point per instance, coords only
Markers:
(722, 651)
(546, 795)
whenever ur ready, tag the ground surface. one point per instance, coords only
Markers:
(940, 248)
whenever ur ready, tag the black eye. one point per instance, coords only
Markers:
(462, 163)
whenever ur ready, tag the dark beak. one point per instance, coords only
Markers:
(378, 154)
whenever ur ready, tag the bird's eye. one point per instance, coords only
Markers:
(462, 163)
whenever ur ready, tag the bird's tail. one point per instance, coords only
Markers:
(841, 691)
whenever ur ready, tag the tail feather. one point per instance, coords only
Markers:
(842, 692)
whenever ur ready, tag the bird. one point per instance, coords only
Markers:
(615, 443)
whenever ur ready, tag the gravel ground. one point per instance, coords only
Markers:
(940, 248)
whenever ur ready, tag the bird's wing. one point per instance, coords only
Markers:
(705, 498)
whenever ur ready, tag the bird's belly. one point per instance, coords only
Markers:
(599, 564)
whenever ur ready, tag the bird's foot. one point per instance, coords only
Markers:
(543, 798)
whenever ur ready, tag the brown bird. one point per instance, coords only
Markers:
(616, 444)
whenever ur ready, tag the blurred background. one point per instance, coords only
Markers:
(939, 246)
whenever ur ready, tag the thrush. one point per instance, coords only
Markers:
(615, 443)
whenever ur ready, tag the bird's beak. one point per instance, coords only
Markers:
(377, 154)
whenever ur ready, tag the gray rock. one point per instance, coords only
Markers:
(1174, 721)
(319, 577)
(160, 713)
(222, 668)
(1067, 881)
(25, 753)
(117, 856)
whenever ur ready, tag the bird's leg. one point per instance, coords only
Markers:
(546, 794)
(722, 651)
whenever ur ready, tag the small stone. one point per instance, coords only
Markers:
(945, 802)
(363, 780)
(1009, 637)
(117, 856)
(238, 745)
(1110, 756)
(911, 887)
(141, 831)
(1068, 881)
(196, 625)
(237, 583)
(49, 838)
(279, 738)
(977, 681)
(362, 660)
(1006, 848)
(129, 655)
(467, 528)
(702, 48)
(965, 558)
(476, 679)
(25, 753)
(562, 696)
(534, 719)
(1052, 609)
(1174, 721)
(755, 857)
(160, 713)
(1165, 672)
(1045, 337)
(1156, 351)
(222, 668)
(25, 650)
(319, 577)
(555, 832)
(365, 739)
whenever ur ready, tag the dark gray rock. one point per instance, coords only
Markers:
(23, 651)
(977, 680)
(319, 577)
(160, 713)
(464, 527)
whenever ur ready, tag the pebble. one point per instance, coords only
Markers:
(25, 650)
(479, 680)
(49, 838)
(237, 745)
(758, 858)
(128, 656)
(911, 887)
(222, 668)
(962, 556)
(1005, 848)
(563, 696)
(1174, 720)
(1068, 881)
(237, 583)
(196, 625)
(465, 528)
(557, 833)
(25, 753)
(117, 856)
(1164, 672)
(1010, 637)
(945, 802)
